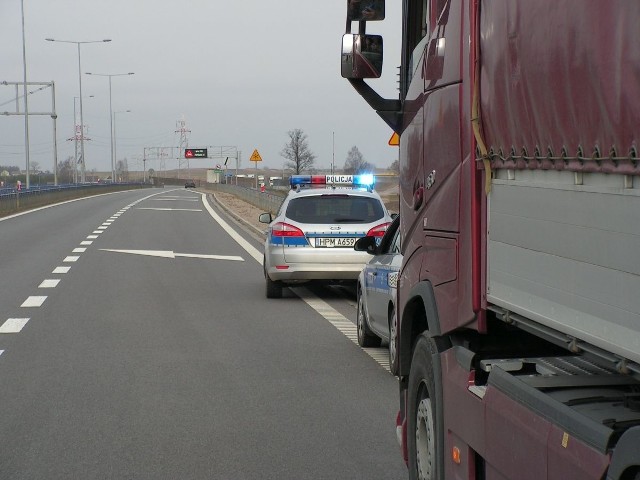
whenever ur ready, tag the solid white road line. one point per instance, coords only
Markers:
(33, 301)
(343, 324)
(13, 325)
(250, 249)
(49, 283)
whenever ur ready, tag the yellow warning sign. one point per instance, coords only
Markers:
(255, 156)
(394, 141)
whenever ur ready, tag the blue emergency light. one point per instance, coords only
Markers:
(366, 181)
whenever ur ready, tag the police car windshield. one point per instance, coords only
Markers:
(335, 209)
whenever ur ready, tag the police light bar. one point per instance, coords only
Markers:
(357, 181)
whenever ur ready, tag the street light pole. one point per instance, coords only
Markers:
(26, 94)
(83, 167)
(111, 120)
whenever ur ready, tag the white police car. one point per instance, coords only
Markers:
(313, 233)
(377, 290)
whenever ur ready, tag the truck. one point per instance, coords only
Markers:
(518, 301)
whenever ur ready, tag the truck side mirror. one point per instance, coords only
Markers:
(361, 56)
(365, 10)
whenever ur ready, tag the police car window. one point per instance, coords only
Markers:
(334, 209)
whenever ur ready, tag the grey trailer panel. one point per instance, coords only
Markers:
(568, 256)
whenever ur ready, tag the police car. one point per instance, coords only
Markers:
(313, 233)
(377, 290)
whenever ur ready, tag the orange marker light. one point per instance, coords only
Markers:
(455, 454)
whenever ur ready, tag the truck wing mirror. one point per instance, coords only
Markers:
(361, 56)
(365, 10)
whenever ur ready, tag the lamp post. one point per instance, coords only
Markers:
(113, 160)
(78, 43)
(26, 94)
(115, 138)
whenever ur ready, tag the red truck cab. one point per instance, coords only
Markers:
(519, 328)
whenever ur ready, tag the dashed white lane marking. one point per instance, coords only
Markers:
(79, 250)
(97, 232)
(33, 301)
(49, 283)
(61, 270)
(86, 242)
(102, 227)
(13, 325)
(92, 237)
(171, 209)
(71, 259)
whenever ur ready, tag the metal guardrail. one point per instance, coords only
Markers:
(266, 201)
(14, 201)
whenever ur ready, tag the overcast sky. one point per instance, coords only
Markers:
(239, 72)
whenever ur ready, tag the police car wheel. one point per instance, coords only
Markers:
(273, 289)
(393, 343)
(366, 338)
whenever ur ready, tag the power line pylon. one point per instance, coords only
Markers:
(183, 163)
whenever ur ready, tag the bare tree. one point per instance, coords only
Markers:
(65, 170)
(122, 170)
(395, 166)
(356, 163)
(297, 152)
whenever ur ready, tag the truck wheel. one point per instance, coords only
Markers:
(423, 429)
(366, 338)
(393, 343)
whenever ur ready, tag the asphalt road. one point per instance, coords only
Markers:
(137, 343)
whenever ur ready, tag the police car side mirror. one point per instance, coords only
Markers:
(366, 244)
(265, 218)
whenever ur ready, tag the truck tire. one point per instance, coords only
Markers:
(424, 418)
(366, 338)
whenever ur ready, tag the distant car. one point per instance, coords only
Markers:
(313, 234)
(377, 289)
(190, 184)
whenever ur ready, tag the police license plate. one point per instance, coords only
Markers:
(335, 242)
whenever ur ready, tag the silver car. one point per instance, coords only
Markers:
(313, 233)
(377, 289)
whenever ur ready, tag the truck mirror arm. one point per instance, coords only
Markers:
(389, 110)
